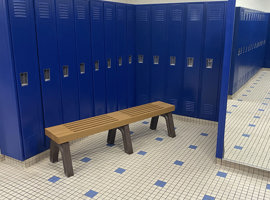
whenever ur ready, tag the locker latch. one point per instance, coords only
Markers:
(47, 75)
(140, 59)
(190, 62)
(82, 68)
(130, 60)
(120, 61)
(156, 60)
(96, 65)
(209, 63)
(65, 71)
(24, 79)
(109, 63)
(172, 60)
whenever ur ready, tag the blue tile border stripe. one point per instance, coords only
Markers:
(238, 147)
(252, 125)
(204, 134)
(246, 135)
(192, 147)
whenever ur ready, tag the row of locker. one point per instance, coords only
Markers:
(267, 53)
(249, 47)
(180, 51)
(64, 60)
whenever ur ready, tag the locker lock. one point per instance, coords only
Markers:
(209, 63)
(109, 63)
(96, 65)
(24, 78)
(156, 60)
(120, 61)
(130, 60)
(82, 68)
(190, 62)
(65, 71)
(172, 60)
(47, 75)
(140, 59)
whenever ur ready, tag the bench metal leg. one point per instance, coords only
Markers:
(170, 125)
(66, 156)
(126, 139)
(54, 151)
(154, 122)
(111, 136)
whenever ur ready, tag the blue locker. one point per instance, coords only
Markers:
(159, 52)
(176, 55)
(194, 41)
(212, 60)
(83, 65)
(67, 59)
(48, 61)
(131, 53)
(121, 55)
(110, 56)
(144, 56)
(98, 61)
(25, 63)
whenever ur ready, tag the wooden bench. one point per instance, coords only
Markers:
(61, 135)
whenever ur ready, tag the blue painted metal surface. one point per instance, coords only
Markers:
(131, 53)
(110, 56)
(48, 63)
(98, 61)
(83, 62)
(159, 59)
(143, 57)
(67, 59)
(176, 48)
(213, 49)
(267, 52)
(22, 20)
(230, 12)
(121, 55)
(194, 42)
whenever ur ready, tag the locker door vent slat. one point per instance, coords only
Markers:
(44, 10)
(176, 15)
(208, 109)
(20, 8)
(63, 11)
(108, 14)
(194, 14)
(120, 14)
(215, 14)
(81, 13)
(96, 13)
(142, 16)
(159, 15)
(189, 106)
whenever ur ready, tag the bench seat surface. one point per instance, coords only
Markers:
(82, 128)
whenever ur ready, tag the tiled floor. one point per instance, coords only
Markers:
(247, 134)
(165, 168)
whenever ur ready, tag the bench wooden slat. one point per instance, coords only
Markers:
(82, 128)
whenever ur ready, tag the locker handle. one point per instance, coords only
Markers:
(172, 60)
(65, 71)
(209, 63)
(140, 59)
(109, 63)
(97, 65)
(120, 61)
(190, 62)
(156, 60)
(82, 68)
(130, 60)
(47, 75)
(24, 79)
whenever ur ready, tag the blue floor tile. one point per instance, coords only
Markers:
(268, 186)
(91, 193)
(229, 112)
(145, 122)
(257, 117)
(131, 132)
(238, 147)
(222, 174)
(110, 145)
(252, 125)
(207, 197)
(159, 139)
(160, 183)
(265, 104)
(142, 153)
(54, 179)
(204, 134)
(235, 106)
(239, 100)
(192, 147)
(120, 170)
(267, 98)
(177, 162)
(248, 90)
(85, 159)
(261, 110)
(246, 135)
(244, 95)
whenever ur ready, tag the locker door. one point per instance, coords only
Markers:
(212, 62)
(110, 56)
(98, 62)
(48, 61)
(143, 57)
(121, 56)
(131, 53)
(194, 39)
(83, 50)
(23, 34)
(159, 52)
(67, 59)
(176, 54)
